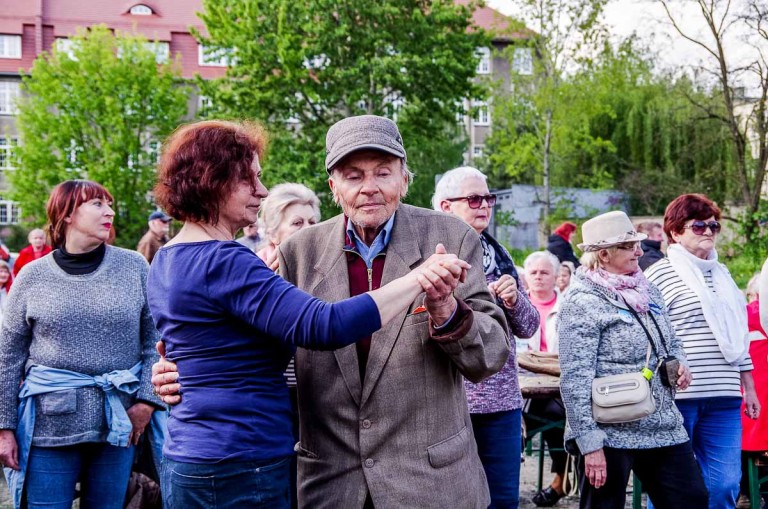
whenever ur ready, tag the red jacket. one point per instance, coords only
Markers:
(754, 433)
(27, 255)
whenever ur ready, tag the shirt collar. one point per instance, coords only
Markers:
(378, 245)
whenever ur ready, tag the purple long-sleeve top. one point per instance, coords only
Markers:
(231, 326)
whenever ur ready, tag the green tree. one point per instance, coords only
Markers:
(298, 67)
(98, 112)
(530, 118)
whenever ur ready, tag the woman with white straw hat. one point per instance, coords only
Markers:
(621, 366)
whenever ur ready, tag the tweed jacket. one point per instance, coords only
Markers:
(403, 436)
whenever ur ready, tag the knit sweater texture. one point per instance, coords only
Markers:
(92, 324)
(600, 337)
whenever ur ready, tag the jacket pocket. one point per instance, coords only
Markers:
(449, 450)
(58, 403)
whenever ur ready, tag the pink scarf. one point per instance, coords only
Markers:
(633, 288)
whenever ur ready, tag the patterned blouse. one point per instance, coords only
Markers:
(501, 392)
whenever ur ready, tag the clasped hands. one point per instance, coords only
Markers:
(439, 276)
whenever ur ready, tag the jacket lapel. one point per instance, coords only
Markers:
(332, 285)
(403, 253)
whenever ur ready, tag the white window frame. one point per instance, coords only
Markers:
(8, 146)
(65, 46)
(206, 59)
(482, 113)
(203, 103)
(484, 64)
(522, 61)
(141, 10)
(10, 46)
(161, 49)
(10, 210)
(478, 151)
(10, 91)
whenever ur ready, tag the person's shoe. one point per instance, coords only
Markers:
(546, 497)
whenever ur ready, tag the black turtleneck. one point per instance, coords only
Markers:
(79, 264)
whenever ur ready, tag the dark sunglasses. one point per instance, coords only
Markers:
(476, 200)
(699, 227)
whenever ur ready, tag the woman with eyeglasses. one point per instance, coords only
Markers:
(495, 404)
(708, 312)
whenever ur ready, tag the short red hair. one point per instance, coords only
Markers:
(684, 208)
(565, 230)
(202, 163)
(63, 201)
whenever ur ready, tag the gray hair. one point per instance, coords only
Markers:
(449, 186)
(591, 259)
(542, 255)
(281, 197)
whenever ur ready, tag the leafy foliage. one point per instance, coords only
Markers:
(298, 67)
(97, 114)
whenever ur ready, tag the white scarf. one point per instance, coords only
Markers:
(725, 309)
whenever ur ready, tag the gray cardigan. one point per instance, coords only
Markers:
(92, 324)
(599, 337)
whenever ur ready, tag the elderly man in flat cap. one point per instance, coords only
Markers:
(384, 423)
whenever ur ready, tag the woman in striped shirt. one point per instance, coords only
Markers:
(708, 312)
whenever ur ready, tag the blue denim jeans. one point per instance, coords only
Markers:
(499, 445)
(102, 469)
(229, 484)
(714, 425)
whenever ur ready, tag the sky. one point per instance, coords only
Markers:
(648, 20)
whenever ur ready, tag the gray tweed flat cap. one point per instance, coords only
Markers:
(358, 133)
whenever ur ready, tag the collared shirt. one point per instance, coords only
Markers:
(379, 244)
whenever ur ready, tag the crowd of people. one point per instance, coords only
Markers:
(369, 360)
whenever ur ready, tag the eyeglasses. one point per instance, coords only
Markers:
(476, 200)
(699, 227)
(628, 246)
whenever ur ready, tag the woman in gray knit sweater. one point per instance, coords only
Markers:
(77, 331)
(602, 328)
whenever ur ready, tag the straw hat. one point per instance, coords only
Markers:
(609, 229)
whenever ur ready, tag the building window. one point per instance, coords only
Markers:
(484, 65)
(482, 113)
(10, 46)
(522, 61)
(212, 57)
(162, 51)
(66, 47)
(141, 10)
(204, 105)
(9, 93)
(477, 151)
(9, 212)
(8, 146)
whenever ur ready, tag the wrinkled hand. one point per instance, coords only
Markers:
(269, 257)
(595, 468)
(164, 378)
(684, 377)
(139, 414)
(751, 405)
(439, 276)
(505, 289)
(9, 450)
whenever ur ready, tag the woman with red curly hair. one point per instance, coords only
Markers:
(559, 243)
(231, 324)
(709, 315)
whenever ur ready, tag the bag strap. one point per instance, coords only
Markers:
(648, 334)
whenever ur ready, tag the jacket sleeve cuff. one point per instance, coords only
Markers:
(456, 328)
(591, 441)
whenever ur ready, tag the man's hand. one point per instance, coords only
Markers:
(269, 257)
(164, 377)
(595, 468)
(140, 414)
(439, 276)
(505, 289)
(9, 450)
(684, 377)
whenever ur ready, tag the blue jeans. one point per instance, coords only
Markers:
(499, 445)
(102, 469)
(229, 484)
(714, 425)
